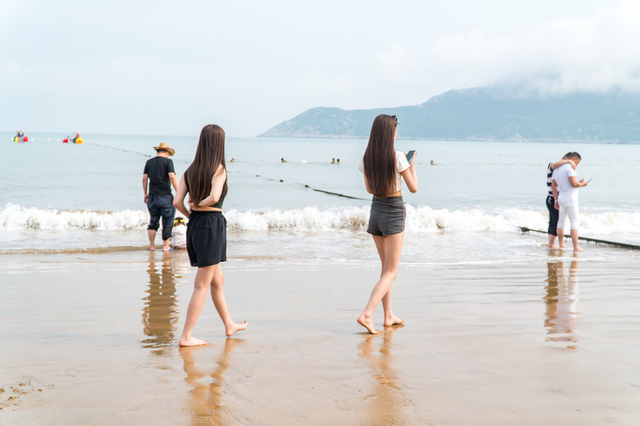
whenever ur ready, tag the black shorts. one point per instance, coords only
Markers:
(206, 238)
(387, 216)
(161, 206)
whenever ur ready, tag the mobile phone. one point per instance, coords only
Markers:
(410, 155)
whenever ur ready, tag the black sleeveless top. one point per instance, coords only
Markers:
(225, 188)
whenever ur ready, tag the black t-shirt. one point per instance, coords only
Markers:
(158, 169)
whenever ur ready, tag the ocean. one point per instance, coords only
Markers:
(57, 197)
(495, 321)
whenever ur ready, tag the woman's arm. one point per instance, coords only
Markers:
(409, 175)
(178, 200)
(562, 163)
(217, 185)
(366, 184)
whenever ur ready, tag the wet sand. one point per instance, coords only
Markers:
(92, 339)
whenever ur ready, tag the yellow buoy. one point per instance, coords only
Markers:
(79, 140)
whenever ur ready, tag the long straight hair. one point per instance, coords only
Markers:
(380, 156)
(209, 156)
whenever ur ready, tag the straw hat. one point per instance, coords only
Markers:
(166, 147)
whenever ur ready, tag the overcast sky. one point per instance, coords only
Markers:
(169, 67)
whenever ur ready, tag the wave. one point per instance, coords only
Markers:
(312, 219)
(14, 217)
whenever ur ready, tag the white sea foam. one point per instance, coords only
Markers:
(312, 219)
(14, 217)
(307, 219)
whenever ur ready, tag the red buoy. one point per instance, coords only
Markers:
(65, 140)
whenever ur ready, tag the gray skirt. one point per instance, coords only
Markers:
(387, 216)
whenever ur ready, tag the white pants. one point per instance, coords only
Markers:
(571, 210)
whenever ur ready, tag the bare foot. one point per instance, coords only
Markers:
(152, 248)
(166, 247)
(192, 342)
(368, 324)
(578, 250)
(394, 320)
(235, 327)
(553, 246)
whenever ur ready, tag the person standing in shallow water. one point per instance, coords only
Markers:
(159, 175)
(553, 211)
(384, 169)
(206, 183)
(565, 187)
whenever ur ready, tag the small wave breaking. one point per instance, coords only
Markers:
(312, 219)
(14, 217)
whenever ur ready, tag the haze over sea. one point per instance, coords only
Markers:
(68, 197)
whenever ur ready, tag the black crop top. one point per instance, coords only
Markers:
(217, 205)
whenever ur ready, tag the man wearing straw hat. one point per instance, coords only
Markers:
(160, 175)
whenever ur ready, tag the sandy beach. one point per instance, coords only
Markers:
(91, 339)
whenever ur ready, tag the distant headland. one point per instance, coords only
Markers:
(486, 113)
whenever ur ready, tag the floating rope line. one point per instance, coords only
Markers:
(591, 240)
(335, 193)
(119, 149)
(271, 179)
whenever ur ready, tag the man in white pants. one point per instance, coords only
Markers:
(564, 185)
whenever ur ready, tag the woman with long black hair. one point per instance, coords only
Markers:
(384, 169)
(206, 183)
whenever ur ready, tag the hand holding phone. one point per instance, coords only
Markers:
(410, 155)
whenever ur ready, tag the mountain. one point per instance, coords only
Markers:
(486, 113)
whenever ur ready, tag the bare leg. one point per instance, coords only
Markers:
(575, 241)
(152, 238)
(165, 245)
(561, 237)
(389, 318)
(217, 294)
(552, 241)
(201, 284)
(392, 248)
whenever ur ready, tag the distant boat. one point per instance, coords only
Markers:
(73, 139)
(20, 137)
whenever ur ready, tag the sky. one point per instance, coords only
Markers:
(168, 68)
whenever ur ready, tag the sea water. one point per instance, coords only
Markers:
(470, 205)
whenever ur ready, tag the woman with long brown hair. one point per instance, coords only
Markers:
(384, 169)
(206, 183)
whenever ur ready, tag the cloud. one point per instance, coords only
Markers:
(396, 62)
(596, 53)
(248, 65)
(325, 86)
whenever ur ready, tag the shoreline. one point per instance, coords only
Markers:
(540, 340)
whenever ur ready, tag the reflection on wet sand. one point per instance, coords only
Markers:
(561, 302)
(160, 312)
(385, 406)
(205, 400)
